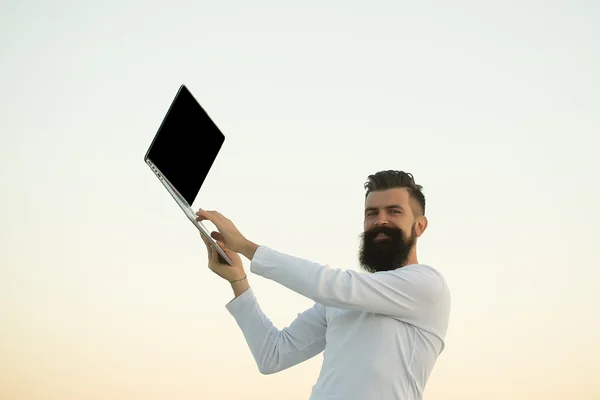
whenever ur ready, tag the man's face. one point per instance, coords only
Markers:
(390, 230)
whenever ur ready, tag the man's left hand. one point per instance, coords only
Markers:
(228, 233)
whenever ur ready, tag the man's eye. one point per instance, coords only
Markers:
(395, 211)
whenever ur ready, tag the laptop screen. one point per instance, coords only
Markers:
(186, 145)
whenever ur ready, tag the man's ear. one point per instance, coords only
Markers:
(421, 225)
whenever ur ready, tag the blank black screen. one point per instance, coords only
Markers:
(186, 145)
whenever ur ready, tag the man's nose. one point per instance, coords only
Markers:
(381, 220)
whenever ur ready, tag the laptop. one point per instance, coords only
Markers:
(182, 153)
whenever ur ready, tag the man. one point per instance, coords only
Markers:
(381, 330)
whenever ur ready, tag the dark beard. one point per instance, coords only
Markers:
(387, 254)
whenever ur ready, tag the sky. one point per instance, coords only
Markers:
(492, 106)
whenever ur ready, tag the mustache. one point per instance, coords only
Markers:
(393, 233)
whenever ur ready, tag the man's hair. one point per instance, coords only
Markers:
(396, 179)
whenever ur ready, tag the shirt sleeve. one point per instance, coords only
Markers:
(275, 350)
(407, 293)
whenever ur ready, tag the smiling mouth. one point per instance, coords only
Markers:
(381, 236)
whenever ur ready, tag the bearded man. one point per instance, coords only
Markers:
(381, 331)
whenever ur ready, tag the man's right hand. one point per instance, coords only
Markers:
(234, 272)
(228, 233)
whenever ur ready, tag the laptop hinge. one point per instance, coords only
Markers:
(166, 182)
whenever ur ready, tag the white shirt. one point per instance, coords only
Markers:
(381, 332)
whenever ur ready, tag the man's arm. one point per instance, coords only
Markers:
(410, 293)
(407, 293)
(275, 350)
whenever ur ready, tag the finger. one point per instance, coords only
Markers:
(229, 253)
(220, 216)
(217, 236)
(203, 214)
(212, 216)
(214, 260)
(225, 249)
(208, 247)
(206, 213)
(205, 240)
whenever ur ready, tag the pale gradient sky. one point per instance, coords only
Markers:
(493, 106)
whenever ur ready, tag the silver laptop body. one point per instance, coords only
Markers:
(177, 196)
